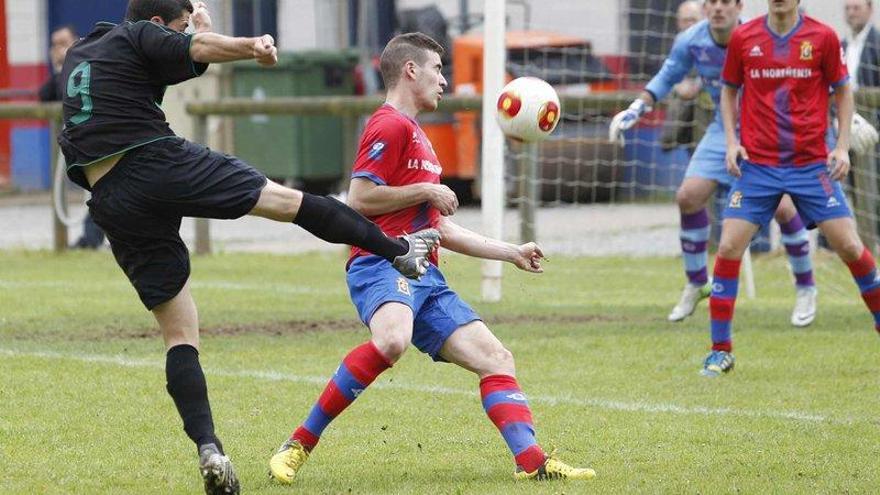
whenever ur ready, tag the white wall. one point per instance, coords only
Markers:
(26, 31)
(306, 24)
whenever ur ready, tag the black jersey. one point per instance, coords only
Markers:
(113, 83)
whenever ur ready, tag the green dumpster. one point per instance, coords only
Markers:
(309, 149)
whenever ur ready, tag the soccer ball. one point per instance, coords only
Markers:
(528, 109)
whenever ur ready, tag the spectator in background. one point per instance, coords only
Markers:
(52, 90)
(62, 39)
(861, 44)
(680, 117)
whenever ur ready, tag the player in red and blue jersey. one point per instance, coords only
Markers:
(784, 63)
(396, 182)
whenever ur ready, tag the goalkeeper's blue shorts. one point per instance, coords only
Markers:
(755, 196)
(709, 160)
(438, 311)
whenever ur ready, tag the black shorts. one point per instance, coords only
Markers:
(142, 200)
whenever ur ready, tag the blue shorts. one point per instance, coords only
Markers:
(755, 196)
(437, 310)
(710, 157)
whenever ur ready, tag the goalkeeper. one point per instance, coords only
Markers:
(704, 46)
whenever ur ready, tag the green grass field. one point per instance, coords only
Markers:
(83, 408)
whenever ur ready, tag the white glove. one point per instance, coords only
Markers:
(863, 137)
(626, 119)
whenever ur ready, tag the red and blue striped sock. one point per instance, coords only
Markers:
(864, 271)
(725, 284)
(507, 407)
(358, 370)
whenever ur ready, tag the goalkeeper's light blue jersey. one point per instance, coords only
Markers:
(694, 47)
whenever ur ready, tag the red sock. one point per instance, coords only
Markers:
(507, 407)
(358, 370)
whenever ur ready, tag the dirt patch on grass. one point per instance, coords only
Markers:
(297, 327)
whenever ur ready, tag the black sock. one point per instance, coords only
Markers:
(333, 221)
(186, 385)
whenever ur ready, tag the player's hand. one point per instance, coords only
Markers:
(734, 154)
(863, 136)
(442, 198)
(200, 18)
(528, 258)
(838, 163)
(265, 51)
(624, 120)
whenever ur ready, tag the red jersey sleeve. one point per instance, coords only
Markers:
(732, 74)
(834, 62)
(381, 150)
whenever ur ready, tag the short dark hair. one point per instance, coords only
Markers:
(168, 10)
(401, 49)
(67, 27)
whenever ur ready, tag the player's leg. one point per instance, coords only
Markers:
(385, 303)
(692, 197)
(179, 322)
(844, 239)
(334, 221)
(797, 247)
(753, 199)
(146, 243)
(473, 347)
(203, 183)
(822, 201)
(705, 172)
(391, 327)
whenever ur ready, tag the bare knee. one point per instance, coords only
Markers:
(391, 346)
(850, 250)
(729, 249)
(500, 362)
(687, 201)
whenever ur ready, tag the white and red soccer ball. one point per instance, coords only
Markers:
(528, 109)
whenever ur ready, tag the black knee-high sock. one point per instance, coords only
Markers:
(333, 221)
(186, 385)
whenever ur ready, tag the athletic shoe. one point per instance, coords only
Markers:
(217, 471)
(284, 465)
(554, 469)
(717, 362)
(804, 307)
(415, 262)
(690, 296)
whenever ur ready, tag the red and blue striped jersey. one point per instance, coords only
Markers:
(394, 151)
(785, 84)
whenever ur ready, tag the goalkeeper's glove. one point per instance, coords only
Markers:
(863, 136)
(626, 119)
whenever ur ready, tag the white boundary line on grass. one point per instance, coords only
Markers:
(561, 400)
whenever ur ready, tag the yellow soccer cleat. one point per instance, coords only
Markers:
(284, 465)
(554, 469)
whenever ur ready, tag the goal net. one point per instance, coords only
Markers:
(608, 199)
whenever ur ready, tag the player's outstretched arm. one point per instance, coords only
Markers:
(217, 48)
(371, 199)
(456, 238)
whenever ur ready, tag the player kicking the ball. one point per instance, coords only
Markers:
(704, 46)
(784, 63)
(395, 181)
(144, 179)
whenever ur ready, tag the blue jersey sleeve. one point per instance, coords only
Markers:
(675, 68)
